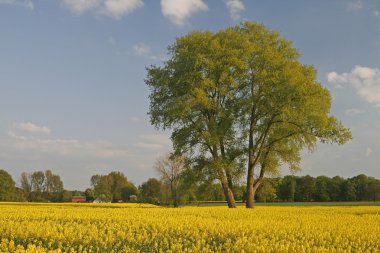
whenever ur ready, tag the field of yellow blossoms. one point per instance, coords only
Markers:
(145, 228)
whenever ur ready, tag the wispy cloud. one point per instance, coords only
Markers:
(113, 8)
(178, 11)
(119, 8)
(353, 112)
(354, 5)
(24, 139)
(368, 152)
(365, 80)
(79, 6)
(141, 49)
(154, 141)
(31, 128)
(235, 7)
(24, 3)
(64, 147)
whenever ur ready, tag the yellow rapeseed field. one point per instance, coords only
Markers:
(141, 228)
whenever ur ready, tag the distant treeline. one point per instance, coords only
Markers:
(322, 188)
(45, 186)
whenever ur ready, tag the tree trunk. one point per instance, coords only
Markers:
(227, 189)
(173, 193)
(252, 186)
(251, 190)
(228, 193)
(250, 202)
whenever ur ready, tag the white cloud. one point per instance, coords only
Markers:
(368, 153)
(365, 80)
(113, 8)
(24, 3)
(30, 145)
(118, 8)
(177, 11)
(79, 6)
(155, 141)
(149, 145)
(141, 49)
(235, 7)
(353, 112)
(31, 128)
(354, 5)
(376, 13)
(64, 147)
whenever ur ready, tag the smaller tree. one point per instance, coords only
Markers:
(170, 168)
(113, 187)
(7, 187)
(151, 191)
(90, 194)
(101, 188)
(26, 185)
(127, 191)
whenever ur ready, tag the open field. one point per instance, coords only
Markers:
(144, 228)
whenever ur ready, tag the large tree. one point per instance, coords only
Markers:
(241, 94)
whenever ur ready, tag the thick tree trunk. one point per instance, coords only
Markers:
(252, 184)
(227, 190)
(250, 202)
(251, 190)
(228, 193)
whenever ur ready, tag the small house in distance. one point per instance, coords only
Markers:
(78, 199)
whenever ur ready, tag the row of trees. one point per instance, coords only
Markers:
(322, 188)
(37, 186)
(279, 189)
(179, 185)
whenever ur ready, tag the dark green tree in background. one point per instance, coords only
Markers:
(151, 191)
(7, 187)
(113, 187)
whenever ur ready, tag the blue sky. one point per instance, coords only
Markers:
(72, 92)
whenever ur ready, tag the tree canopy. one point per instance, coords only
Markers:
(7, 186)
(241, 94)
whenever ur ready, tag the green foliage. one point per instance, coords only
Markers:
(151, 191)
(7, 187)
(113, 187)
(241, 94)
(41, 186)
(266, 192)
